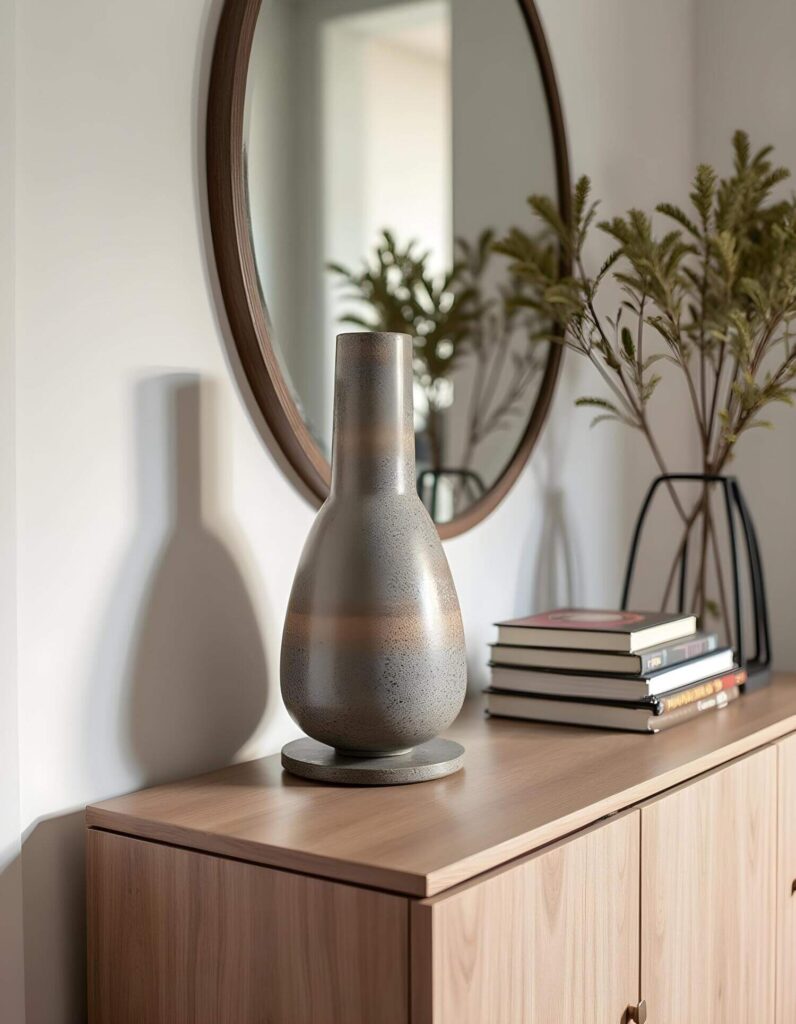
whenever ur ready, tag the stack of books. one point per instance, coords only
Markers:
(641, 671)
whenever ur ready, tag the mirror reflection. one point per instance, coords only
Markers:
(387, 147)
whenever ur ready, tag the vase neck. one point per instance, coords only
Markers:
(373, 442)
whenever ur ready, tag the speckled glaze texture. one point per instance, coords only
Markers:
(373, 657)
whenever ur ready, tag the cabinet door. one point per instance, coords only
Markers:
(178, 937)
(554, 938)
(708, 869)
(786, 884)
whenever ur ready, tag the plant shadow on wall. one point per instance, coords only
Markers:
(179, 682)
(552, 567)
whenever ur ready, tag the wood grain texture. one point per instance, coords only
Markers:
(553, 938)
(708, 869)
(522, 786)
(786, 882)
(177, 937)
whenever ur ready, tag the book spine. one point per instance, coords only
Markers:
(700, 691)
(688, 711)
(677, 653)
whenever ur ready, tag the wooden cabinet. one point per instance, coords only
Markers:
(786, 883)
(564, 875)
(177, 937)
(554, 938)
(708, 901)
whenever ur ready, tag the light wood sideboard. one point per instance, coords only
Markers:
(564, 875)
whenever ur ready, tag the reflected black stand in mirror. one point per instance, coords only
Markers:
(465, 481)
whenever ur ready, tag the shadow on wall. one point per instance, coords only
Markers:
(549, 577)
(197, 687)
(12, 994)
(554, 583)
(179, 681)
(53, 910)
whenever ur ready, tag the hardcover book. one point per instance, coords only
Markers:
(605, 715)
(650, 659)
(596, 630)
(612, 687)
(679, 715)
(699, 691)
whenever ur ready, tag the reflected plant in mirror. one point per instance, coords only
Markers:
(471, 330)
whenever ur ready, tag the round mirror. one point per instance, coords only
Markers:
(364, 157)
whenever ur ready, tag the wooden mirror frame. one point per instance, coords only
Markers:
(237, 270)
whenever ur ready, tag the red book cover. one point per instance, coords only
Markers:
(596, 629)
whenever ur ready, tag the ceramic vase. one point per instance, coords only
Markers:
(373, 656)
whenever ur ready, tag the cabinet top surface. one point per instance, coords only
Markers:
(523, 785)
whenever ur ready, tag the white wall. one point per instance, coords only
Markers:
(408, 156)
(746, 78)
(157, 535)
(12, 991)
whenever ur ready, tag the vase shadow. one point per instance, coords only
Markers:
(197, 684)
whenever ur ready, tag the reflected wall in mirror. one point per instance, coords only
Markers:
(370, 152)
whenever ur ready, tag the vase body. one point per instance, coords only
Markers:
(373, 656)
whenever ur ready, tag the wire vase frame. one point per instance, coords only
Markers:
(742, 542)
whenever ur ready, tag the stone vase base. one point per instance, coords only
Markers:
(314, 760)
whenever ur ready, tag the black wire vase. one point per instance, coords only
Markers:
(744, 609)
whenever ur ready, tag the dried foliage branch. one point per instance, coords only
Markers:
(718, 290)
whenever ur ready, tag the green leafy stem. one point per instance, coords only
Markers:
(713, 295)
